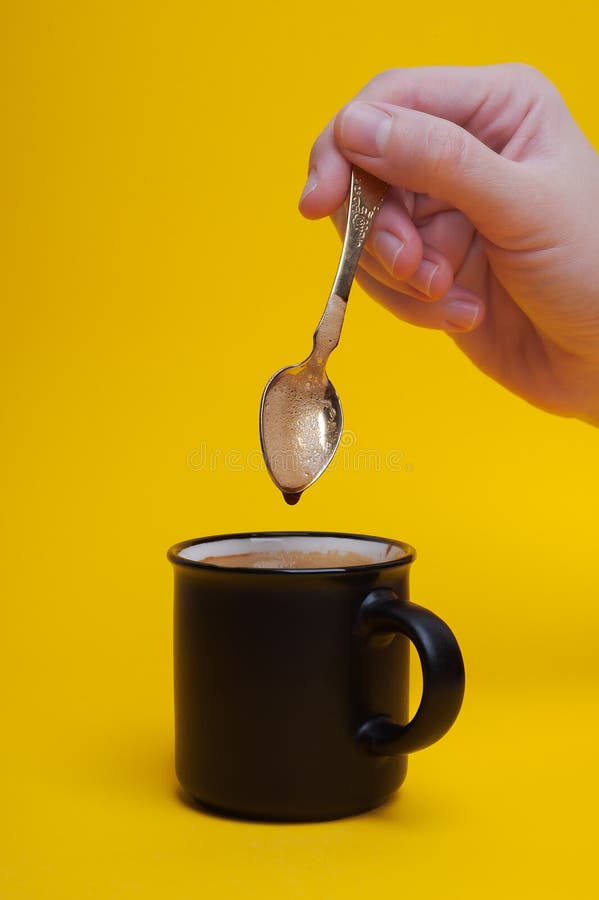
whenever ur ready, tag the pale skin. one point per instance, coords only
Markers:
(490, 230)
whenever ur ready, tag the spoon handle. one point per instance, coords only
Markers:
(366, 195)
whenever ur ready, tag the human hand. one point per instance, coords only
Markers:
(490, 229)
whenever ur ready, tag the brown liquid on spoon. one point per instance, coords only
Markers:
(300, 420)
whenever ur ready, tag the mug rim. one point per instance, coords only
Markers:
(177, 560)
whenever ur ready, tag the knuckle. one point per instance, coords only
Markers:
(536, 82)
(380, 84)
(523, 68)
(525, 72)
(387, 75)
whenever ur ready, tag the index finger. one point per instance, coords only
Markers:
(488, 101)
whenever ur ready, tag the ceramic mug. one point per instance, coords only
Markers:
(291, 684)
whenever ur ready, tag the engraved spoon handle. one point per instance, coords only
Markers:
(366, 195)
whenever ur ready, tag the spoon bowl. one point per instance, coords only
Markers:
(301, 426)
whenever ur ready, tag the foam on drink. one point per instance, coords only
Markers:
(291, 559)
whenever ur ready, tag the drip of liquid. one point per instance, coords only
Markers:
(291, 499)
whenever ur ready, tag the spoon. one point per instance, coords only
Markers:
(301, 419)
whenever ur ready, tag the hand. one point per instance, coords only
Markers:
(490, 230)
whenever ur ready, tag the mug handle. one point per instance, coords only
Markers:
(383, 613)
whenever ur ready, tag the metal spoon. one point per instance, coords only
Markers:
(301, 420)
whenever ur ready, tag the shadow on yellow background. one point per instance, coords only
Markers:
(155, 273)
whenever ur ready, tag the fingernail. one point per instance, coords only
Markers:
(387, 247)
(422, 278)
(311, 185)
(365, 129)
(462, 314)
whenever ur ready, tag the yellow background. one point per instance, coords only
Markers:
(154, 273)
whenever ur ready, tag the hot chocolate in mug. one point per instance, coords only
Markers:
(291, 673)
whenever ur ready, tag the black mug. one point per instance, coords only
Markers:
(291, 684)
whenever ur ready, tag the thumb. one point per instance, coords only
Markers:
(429, 155)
